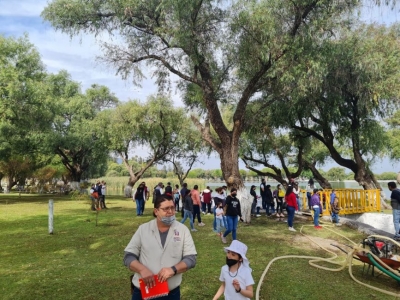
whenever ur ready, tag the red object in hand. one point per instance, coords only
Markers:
(159, 290)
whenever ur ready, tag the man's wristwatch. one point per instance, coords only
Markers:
(174, 269)
(239, 290)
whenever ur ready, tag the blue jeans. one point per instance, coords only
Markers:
(309, 199)
(215, 221)
(232, 223)
(268, 206)
(220, 224)
(264, 202)
(188, 214)
(175, 294)
(316, 216)
(396, 222)
(335, 218)
(139, 205)
(290, 212)
(299, 203)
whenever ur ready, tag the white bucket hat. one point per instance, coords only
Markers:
(239, 248)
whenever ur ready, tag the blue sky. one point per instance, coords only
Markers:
(78, 55)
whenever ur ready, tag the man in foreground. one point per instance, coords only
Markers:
(162, 247)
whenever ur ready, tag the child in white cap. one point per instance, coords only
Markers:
(237, 281)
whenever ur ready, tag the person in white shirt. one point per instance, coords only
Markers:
(219, 215)
(236, 279)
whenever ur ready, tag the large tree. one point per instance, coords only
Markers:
(25, 110)
(153, 128)
(354, 81)
(77, 132)
(223, 51)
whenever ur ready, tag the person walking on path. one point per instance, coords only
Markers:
(219, 198)
(270, 205)
(147, 196)
(236, 279)
(395, 203)
(196, 205)
(254, 203)
(335, 209)
(177, 197)
(315, 203)
(162, 247)
(182, 195)
(219, 214)
(233, 211)
(279, 194)
(139, 197)
(206, 194)
(263, 194)
(291, 207)
(188, 210)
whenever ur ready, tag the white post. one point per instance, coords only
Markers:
(51, 216)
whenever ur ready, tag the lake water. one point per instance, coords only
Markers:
(349, 184)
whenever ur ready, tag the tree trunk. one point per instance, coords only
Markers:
(75, 185)
(230, 170)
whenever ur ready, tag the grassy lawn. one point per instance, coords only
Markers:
(84, 261)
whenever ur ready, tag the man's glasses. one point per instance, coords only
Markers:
(166, 209)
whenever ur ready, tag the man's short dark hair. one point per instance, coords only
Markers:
(160, 199)
(392, 184)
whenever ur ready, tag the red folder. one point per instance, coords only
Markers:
(159, 290)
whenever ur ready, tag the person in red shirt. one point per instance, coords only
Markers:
(291, 206)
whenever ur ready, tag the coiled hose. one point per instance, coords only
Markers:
(341, 264)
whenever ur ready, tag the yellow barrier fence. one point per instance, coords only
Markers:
(351, 201)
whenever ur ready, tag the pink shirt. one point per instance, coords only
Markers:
(195, 197)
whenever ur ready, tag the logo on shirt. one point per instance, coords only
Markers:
(176, 236)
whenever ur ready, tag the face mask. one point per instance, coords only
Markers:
(168, 220)
(234, 194)
(231, 262)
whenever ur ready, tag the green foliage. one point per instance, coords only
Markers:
(387, 176)
(336, 173)
(77, 136)
(224, 53)
(25, 110)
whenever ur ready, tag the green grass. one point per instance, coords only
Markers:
(84, 261)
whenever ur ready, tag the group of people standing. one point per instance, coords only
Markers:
(171, 245)
(98, 195)
(290, 202)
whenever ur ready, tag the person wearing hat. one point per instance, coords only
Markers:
(236, 279)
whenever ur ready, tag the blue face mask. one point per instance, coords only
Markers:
(168, 220)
